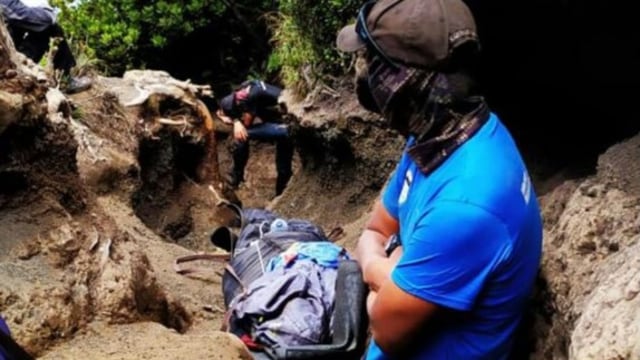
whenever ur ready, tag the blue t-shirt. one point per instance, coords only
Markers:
(471, 233)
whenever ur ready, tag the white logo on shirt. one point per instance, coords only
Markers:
(408, 179)
(525, 187)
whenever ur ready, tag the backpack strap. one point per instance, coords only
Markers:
(202, 256)
(228, 268)
(226, 322)
(335, 234)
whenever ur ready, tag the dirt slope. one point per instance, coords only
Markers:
(101, 192)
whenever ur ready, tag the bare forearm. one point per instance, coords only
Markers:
(370, 251)
(397, 318)
(377, 267)
(370, 247)
(247, 119)
(371, 298)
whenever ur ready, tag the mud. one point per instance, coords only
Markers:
(74, 255)
(98, 199)
(98, 203)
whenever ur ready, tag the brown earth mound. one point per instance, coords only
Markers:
(102, 191)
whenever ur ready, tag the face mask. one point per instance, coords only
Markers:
(363, 91)
(381, 81)
(377, 84)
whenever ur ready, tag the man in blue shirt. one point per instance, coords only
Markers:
(460, 201)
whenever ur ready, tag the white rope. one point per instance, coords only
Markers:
(262, 267)
(260, 228)
(260, 257)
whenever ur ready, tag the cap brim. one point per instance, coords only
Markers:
(348, 40)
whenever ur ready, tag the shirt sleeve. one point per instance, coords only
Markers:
(451, 254)
(247, 106)
(391, 192)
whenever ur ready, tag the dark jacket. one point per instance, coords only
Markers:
(261, 101)
(30, 18)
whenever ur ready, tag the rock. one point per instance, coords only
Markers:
(73, 249)
(593, 235)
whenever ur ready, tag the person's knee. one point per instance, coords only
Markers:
(283, 132)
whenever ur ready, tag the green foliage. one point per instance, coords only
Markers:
(122, 32)
(304, 37)
(77, 113)
(292, 53)
(219, 41)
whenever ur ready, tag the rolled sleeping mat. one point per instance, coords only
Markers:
(223, 238)
(349, 323)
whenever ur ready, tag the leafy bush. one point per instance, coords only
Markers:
(304, 38)
(225, 40)
(126, 33)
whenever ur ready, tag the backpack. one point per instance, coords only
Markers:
(260, 243)
(256, 246)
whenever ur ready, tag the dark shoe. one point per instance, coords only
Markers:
(233, 181)
(77, 84)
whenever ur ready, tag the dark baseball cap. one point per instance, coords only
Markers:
(417, 33)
